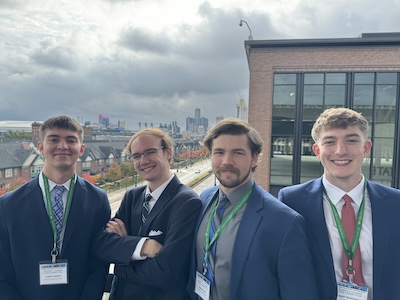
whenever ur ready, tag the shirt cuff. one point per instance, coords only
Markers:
(138, 249)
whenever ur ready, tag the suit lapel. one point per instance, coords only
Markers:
(245, 234)
(165, 198)
(37, 206)
(314, 212)
(75, 212)
(382, 215)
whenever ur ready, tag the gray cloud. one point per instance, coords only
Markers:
(59, 62)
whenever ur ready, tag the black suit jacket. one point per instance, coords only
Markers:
(26, 238)
(171, 222)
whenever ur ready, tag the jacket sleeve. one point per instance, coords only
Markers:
(173, 258)
(96, 280)
(8, 289)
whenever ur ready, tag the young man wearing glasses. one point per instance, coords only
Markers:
(150, 237)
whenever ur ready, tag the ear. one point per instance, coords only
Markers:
(82, 149)
(316, 149)
(367, 147)
(40, 147)
(168, 151)
(254, 160)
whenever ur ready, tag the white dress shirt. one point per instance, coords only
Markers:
(335, 194)
(155, 195)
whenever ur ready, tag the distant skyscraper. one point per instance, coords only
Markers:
(242, 112)
(219, 118)
(196, 118)
(190, 125)
(104, 121)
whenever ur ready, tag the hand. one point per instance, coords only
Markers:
(116, 226)
(150, 248)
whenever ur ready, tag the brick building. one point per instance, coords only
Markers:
(293, 81)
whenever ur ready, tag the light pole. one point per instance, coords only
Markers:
(241, 24)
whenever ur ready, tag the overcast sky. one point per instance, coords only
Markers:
(154, 60)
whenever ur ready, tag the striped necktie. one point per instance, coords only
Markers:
(215, 223)
(146, 207)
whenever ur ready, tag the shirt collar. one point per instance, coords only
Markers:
(336, 194)
(236, 195)
(52, 184)
(158, 191)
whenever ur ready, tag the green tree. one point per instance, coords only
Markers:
(127, 169)
(17, 135)
(113, 173)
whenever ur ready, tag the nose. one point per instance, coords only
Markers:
(227, 159)
(62, 144)
(341, 148)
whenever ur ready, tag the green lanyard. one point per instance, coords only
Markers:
(350, 251)
(50, 212)
(207, 243)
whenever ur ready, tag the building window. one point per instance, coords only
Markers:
(299, 98)
(16, 173)
(8, 173)
(86, 165)
(36, 169)
(1, 174)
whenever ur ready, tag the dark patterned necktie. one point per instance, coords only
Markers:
(146, 207)
(58, 207)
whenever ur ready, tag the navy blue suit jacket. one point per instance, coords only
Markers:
(171, 221)
(307, 199)
(26, 238)
(271, 259)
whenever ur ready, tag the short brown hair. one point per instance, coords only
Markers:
(61, 122)
(340, 118)
(234, 126)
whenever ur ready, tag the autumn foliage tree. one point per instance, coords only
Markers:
(113, 173)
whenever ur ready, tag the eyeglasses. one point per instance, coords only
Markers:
(148, 153)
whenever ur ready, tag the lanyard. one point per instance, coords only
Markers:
(349, 250)
(50, 212)
(207, 243)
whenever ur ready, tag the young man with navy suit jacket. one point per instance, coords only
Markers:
(261, 250)
(341, 144)
(37, 262)
(151, 249)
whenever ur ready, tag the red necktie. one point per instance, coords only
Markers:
(349, 226)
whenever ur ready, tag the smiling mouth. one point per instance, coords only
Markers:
(341, 162)
(147, 169)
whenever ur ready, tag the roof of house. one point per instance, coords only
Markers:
(13, 155)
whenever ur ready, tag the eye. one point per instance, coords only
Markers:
(150, 152)
(136, 156)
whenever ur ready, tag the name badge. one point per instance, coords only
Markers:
(349, 291)
(202, 288)
(53, 273)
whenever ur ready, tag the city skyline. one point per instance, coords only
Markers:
(82, 58)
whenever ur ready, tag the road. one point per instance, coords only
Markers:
(185, 175)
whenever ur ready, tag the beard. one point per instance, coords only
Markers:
(234, 179)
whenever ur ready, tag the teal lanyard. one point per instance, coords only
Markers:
(50, 212)
(208, 244)
(349, 250)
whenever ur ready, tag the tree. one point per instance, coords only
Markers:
(15, 183)
(127, 169)
(17, 135)
(113, 173)
(87, 177)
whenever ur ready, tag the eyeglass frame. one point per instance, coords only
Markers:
(146, 153)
